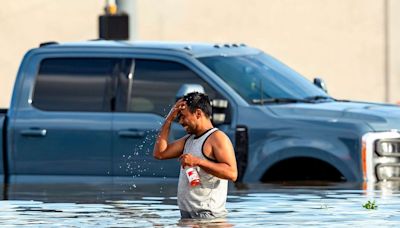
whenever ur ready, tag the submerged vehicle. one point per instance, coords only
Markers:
(90, 111)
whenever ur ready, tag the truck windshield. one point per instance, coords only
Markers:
(262, 79)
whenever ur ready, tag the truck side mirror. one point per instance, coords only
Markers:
(219, 106)
(319, 82)
(188, 88)
(220, 111)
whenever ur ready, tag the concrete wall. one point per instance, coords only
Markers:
(393, 48)
(352, 44)
(342, 41)
(26, 24)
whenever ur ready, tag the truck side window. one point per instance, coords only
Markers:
(75, 84)
(155, 84)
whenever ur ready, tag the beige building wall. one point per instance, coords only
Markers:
(26, 24)
(352, 44)
(393, 47)
(342, 41)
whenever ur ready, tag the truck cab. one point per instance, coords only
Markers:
(91, 111)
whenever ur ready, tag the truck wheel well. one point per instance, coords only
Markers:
(302, 169)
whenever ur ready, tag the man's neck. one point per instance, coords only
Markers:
(204, 129)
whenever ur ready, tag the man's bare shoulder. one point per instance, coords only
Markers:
(222, 148)
(219, 137)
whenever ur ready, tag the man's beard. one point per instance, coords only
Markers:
(188, 129)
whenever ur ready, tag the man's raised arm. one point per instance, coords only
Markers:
(163, 149)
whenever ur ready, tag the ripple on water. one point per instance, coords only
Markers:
(260, 207)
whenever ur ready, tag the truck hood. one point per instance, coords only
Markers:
(377, 116)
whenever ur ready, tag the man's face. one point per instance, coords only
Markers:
(188, 120)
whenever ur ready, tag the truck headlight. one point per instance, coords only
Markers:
(388, 147)
(388, 171)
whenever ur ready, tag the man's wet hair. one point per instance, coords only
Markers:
(196, 100)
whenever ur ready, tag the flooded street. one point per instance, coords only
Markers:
(154, 205)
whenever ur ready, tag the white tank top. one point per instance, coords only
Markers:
(211, 194)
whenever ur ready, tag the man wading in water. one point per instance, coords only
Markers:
(206, 149)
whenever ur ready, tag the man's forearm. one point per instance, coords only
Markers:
(161, 143)
(162, 148)
(221, 170)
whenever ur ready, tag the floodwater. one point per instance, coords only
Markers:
(154, 205)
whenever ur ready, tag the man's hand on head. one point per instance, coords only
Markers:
(176, 109)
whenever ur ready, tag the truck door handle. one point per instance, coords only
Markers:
(33, 132)
(131, 134)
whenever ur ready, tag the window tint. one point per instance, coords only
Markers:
(75, 84)
(155, 84)
(260, 76)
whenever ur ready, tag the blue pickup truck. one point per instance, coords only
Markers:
(90, 111)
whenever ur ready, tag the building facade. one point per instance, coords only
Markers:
(354, 45)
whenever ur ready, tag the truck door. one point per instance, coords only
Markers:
(145, 96)
(66, 130)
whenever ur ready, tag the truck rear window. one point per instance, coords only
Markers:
(75, 84)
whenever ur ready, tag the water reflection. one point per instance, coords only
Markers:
(154, 204)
